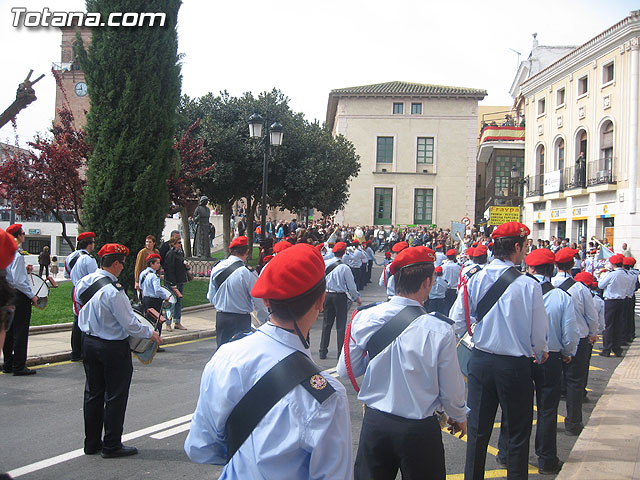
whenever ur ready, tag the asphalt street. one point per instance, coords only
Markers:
(42, 427)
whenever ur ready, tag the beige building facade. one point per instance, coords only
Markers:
(581, 151)
(417, 147)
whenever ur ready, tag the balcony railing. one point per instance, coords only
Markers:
(535, 185)
(574, 177)
(601, 171)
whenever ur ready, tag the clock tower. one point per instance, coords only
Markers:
(72, 88)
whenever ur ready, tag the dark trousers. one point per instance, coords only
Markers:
(335, 310)
(44, 267)
(388, 443)
(17, 338)
(228, 324)
(369, 267)
(629, 330)
(76, 340)
(613, 326)
(506, 381)
(156, 304)
(436, 305)
(108, 369)
(575, 379)
(449, 299)
(546, 378)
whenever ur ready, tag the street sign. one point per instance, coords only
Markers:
(500, 215)
(466, 221)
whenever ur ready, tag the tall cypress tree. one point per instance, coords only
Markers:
(133, 79)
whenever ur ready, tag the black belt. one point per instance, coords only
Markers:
(336, 293)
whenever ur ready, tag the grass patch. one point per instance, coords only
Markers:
(59, 309)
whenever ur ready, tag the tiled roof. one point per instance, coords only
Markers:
(412, 89)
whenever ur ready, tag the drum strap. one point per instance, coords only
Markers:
(94, 288)
(495, 292)
(144, 277)
(392, 329)
(546, 288)
(567, 284)
(74, 260)
(295, 369)
(222, 276)
(332, 267)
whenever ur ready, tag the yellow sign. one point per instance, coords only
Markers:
(500, 215)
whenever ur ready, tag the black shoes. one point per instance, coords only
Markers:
(93, 451)
(572, 433)
(323, 356)
(604, 353)
(618, 354)
(25, 371)
(160, 349)
(551, 471)
(123, 451)
(7, 370)
(501, 461)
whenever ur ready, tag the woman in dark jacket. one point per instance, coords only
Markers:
(175, 276)
(44, 259)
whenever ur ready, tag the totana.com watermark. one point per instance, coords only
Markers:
(46, 18)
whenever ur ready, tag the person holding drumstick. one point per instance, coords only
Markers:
(15, 348)
(152, 293)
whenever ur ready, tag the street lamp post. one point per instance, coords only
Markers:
(273, 136)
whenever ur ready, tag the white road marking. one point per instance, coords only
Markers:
(172, 431)
(49, 462)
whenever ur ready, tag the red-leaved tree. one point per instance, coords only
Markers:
(193, 158)
(49, 179)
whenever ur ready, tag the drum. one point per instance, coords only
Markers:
(169, 306)
(40, 289)
(140, 345)
(465, 345)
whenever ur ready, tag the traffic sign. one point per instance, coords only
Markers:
(466, 221)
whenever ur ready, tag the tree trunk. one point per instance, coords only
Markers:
(226, 226)
(187, 232)
(64, 229)
(251, 213)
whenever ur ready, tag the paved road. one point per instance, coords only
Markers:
(42, 428)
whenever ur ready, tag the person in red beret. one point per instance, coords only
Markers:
(575, 373)
(399, 429)
(278, 247)
(499, 371)
(17, 337)
(563, 342)
(629, 330)
(229, 292)
(107, 321)
(358, 263)
(369, 253)
(341, 287)
(8, 247)
(77, 265)
(451, 274)
(615, 288)
(436, 302)
(152, 293)
(309, 416)
(440, 256)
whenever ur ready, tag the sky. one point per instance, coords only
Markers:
(306, 49)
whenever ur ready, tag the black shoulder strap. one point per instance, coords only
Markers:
(392, 329)
(295, 369)
(222, 276)
(495, 292)
(546, 288)
(73, 261)
(93, 289)
(331, 267)
(144, 277)
(472, 271)
(567, 284)
(442, 317)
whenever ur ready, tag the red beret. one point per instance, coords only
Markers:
(470, 252)
(451, 251)
(84, 235)
(479, 250)
(439, 246)
(239, 242)
(387, 254)
(400, 246)
(540, 256)
(112, 249)
(629, 261)
(16, 227)
(355, 242)
(565, 255)
(8, 249)
(412, 256)
(266, 259)
(281, 246)
(290, 273)
(511, 229)
(593, 251)
(616, 259)
(474, 244)
(438, 269)
(584, 277)
(151, 256)
(490, 244)
(339, 247)
(319, 247)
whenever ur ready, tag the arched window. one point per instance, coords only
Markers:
(540, 160)
(559, 151)
(606, 142)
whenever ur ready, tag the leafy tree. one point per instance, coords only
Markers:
(48, 180)
(133, 78)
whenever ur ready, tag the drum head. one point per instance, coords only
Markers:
(38, 286)
(172, 299)
(143, 320)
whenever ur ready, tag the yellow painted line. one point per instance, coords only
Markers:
(187, 341)
(491, 473)
(591, 367)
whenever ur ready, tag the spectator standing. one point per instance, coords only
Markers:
(175, 276)
(44, 259)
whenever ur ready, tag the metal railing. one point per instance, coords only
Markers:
(535, 185)
(601, 171)
(574, 177)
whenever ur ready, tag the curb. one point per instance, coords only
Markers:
(65, 356)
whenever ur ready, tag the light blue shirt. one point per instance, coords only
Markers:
(85, 265)
(614, 284)
(108, 314)
(440, 258)
(417, 374)
(438, 288)
(361, 256)
(151, 285)
(17, 276)
(599, 304)
(351, 259)
(369, 253)
(387, 281)
(633, 278)
(586, 314)
(563, 327)
(340, 279)
(299, 438)
(234, 295)
(517, 325)
(451, 273)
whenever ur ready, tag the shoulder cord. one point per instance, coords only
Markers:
(347, 355)
(466, 306)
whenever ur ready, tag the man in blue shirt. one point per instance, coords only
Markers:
(614, 285)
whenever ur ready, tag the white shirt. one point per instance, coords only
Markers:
(298, 438)
(85, 265)
(563, 327)
(340, 279)
(416, 374)
(151, 285)
(17, 276)
(586, 314)
(387, 281)
(451, 273)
